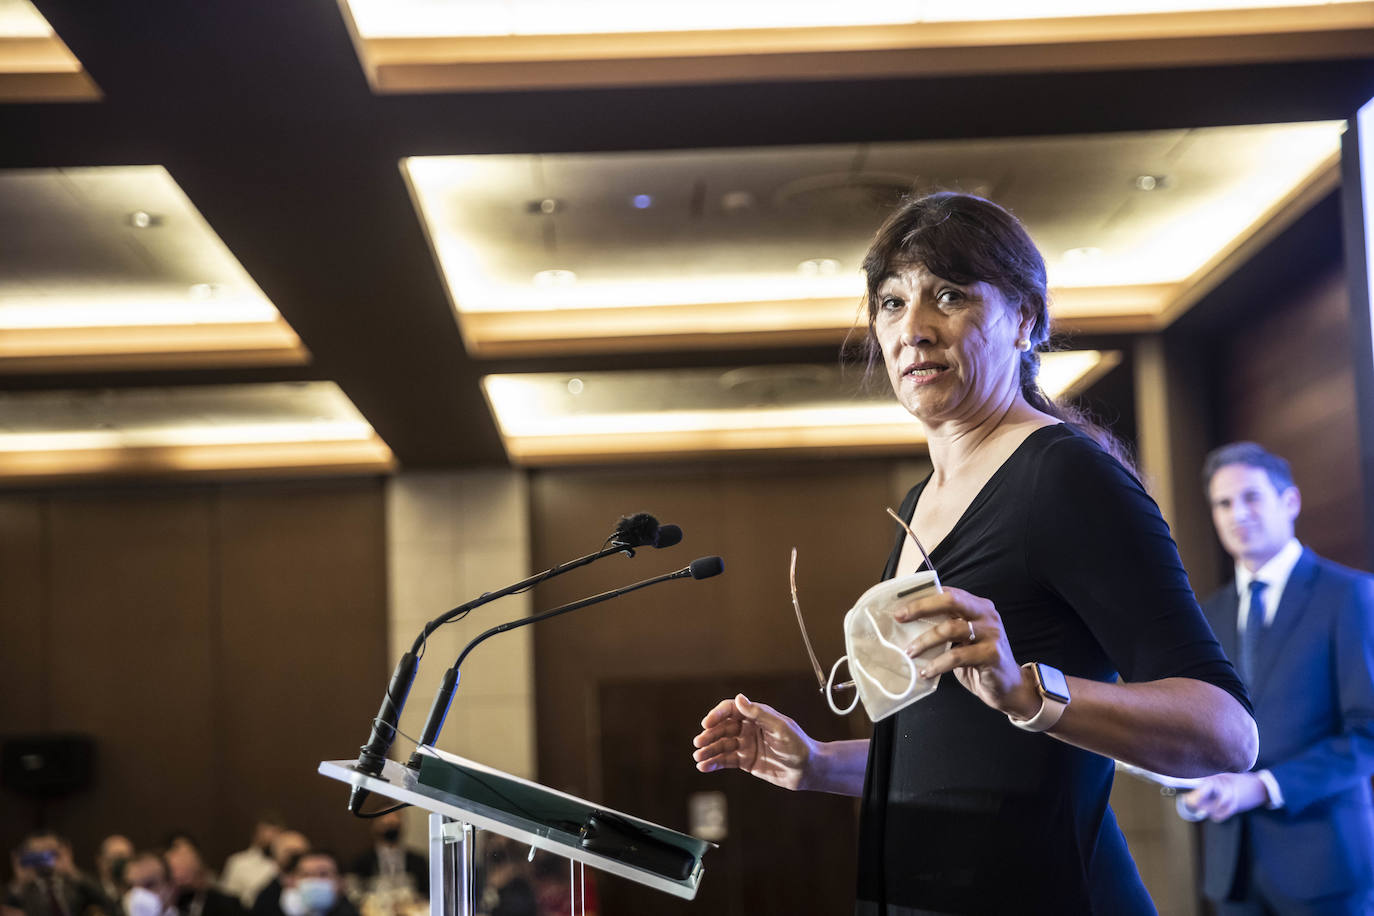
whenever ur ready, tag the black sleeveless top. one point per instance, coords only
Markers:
(962, 812)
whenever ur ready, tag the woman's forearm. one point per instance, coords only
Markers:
(1176, 726)
(837, 766)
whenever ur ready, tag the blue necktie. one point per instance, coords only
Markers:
(1254, 629)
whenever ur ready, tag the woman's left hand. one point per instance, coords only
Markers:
(980, 656)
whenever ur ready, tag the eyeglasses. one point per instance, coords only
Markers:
(796, 604)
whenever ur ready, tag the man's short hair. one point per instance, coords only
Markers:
(293, 863)
(1248, 453)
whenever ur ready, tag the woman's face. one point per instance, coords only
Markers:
(950, 348)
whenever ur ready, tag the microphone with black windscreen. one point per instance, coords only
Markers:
(638, 530)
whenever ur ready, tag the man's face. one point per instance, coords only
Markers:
(147, 872)
(1253, 519)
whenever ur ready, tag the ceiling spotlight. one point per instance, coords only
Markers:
(818, 267)
(203, 291)
(575, 386)
(642, 201)
(142, 219)
(555, 277)
(1149, 182)
(1079, 255)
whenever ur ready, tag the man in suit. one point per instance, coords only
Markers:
(389, 865)
(1295, 835)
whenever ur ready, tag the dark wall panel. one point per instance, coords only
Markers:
(302, 643)
(23, 642)
(216, 641)
(1287, 383)
(739, 622)
(130, 596)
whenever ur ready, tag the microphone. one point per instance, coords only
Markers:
(643, 530)
(638, 530)
(700, 568)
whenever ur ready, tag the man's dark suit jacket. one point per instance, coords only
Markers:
(1313, 692)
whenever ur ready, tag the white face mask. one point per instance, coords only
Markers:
(291, 902)
(139, 901)
(316, 893)
(886, 679)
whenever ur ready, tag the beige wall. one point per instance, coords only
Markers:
(452, 536)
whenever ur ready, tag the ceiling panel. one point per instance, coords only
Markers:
(554, 418)
(35, 65)
(113, 267)
(604, 252)
(421, 46)
(232, 430)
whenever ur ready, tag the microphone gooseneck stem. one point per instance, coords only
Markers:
(444, 697)
(523, 584)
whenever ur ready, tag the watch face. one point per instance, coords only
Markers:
(1052, 682)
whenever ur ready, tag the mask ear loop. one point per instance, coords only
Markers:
(830, 690)
(911, 674)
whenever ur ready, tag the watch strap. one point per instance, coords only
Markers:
(1051, 708)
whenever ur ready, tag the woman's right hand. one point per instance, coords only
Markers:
(755, 738)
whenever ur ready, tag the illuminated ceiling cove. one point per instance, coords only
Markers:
(585, 253)
(113, 267)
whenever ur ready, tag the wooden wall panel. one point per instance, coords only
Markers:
(739, 622)
(23, 642)
(1288, 383)
(216, 641)
(302, 649)
(129, 580)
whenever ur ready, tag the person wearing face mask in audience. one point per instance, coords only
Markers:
(311, 887)
(47, 882)
(192, 893)
(114, 854)
(286, 848)
(248, 871)
(389, 865)
(149, 893)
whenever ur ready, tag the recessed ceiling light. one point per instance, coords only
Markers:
(819, 267)
(1079, 255)
(203, 291)
(1149, 182)
(555, 277)
(642, 201)
(575, 386)
(142, 219)
(546, 205)
(731, 201)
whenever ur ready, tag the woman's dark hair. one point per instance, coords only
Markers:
(966, 239)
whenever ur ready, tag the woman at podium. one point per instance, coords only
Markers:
(1073, 635)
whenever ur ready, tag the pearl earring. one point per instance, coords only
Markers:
(1023, 344)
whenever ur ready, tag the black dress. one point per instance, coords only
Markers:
(964, 813)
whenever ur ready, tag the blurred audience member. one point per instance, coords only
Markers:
(389, 866)
(248, 871)
(114, 854)
(311, 887)
(504, 886)
(287, 846)
(192, 890)
(149, 893)
(47, 883)
(554, 889)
